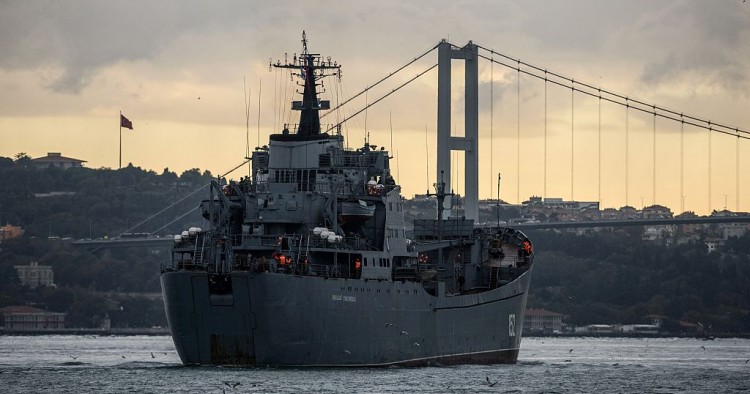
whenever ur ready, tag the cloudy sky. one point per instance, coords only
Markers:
(180, 69)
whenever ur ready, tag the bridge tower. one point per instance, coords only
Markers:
(446, 143)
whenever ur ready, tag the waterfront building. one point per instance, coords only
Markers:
(28, 318)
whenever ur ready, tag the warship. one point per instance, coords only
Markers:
(311, 261)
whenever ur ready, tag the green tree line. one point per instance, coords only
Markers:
(615, 277)
(52, 204)
(598, 277)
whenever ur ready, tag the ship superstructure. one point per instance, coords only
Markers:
(310, 261)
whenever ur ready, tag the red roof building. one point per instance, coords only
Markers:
(55, 159)
(28, 318)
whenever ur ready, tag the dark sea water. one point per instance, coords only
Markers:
(75, 364)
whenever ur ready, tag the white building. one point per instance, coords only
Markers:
(34, 275)
(639, 329)
(542, 321)
(595, 329)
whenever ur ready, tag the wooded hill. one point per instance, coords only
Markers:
(615, 277)
(600, 277)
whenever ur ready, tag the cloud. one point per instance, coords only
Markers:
(80, 38)
(703, 43)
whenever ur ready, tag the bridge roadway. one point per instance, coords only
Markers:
(167, 241)
(631, 222)
(124, 242)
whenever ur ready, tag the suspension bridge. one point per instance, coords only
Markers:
(607, 146)
(596, 140)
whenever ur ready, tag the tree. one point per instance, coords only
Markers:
(22, 160)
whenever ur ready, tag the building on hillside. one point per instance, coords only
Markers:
(555, 208)
(628, 212)
(28, 318)
(35, 275)
(8, 231)
(542, 321)
(729, 230)
(610, 214)
(656, 212)
(657, 233)
(713, 245)
(56, 159)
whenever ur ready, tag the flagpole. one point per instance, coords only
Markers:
(120, 162)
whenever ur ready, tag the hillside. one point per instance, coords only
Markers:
(598, 277)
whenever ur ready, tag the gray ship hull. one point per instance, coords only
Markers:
(287, 320)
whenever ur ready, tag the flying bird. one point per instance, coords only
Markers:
(491, 384)
(347, 351)
(404, 333)
(570, 351)
(73, 357)
(152, 355)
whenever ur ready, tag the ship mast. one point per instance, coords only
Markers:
(311, 67)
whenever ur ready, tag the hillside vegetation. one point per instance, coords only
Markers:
(599, 277)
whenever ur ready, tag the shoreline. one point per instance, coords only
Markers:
(637, 335)
(164, 331)
(155, 331)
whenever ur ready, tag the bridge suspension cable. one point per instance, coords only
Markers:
(381, 98)
(164, 210)
(378, 82)
(179, 201)
(612, 97)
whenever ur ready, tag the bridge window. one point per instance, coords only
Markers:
(306, 180)
(285, 176)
